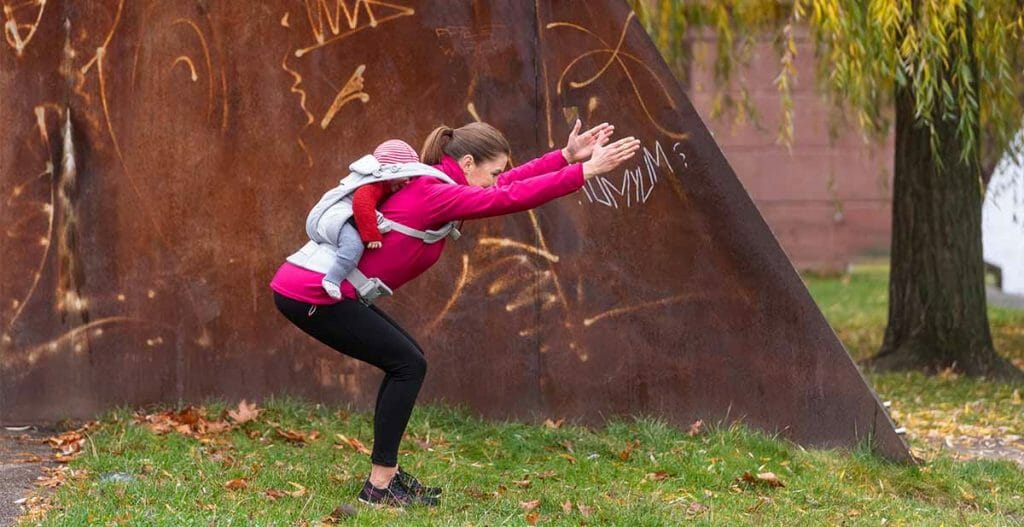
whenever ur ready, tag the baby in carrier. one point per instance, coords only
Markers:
(361, 228)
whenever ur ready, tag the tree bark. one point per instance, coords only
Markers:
(938, 315)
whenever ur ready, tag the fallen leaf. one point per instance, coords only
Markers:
(244, 413)
(567, 507)
(236, 484)
(340, 513)
(299, 490)
(190, 415)
(523, 483)
(546, 474)
(529, 505)
(584, 510)
(477, 493)
(630, 445)
(216, 427)
(548, 423)
(274, 494)
(532, 518)
(352, 442)
(767, 478)
(292, 436)
(695, 427)
(770, 478)
(570, 457)
(657, 476)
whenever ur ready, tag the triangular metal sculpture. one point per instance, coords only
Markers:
(202, 132)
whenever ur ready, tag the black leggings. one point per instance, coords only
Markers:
(368, 334)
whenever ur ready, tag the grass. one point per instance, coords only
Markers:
(490, 469)
(487, 469)
(856, 304)
(932, 408)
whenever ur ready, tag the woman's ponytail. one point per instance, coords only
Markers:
(433, 147)
(479, 140)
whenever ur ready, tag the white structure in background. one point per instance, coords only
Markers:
(1002, 218)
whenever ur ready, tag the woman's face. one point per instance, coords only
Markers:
(483, 174)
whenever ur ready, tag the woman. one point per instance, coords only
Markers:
(473, 156)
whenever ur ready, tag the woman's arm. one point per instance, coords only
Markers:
(446, 202)
(577, 148)
(549, 162)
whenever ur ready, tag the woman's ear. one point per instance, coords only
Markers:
(467, 163)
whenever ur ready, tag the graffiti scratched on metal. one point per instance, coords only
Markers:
(158, 160)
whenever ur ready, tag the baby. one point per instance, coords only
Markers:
(362, 227)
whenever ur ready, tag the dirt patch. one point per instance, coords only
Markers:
(1010, 448)
(23, 454)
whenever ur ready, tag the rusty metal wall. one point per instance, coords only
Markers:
(139, 240)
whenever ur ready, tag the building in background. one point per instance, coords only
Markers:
(829, 200)
(1002, 219)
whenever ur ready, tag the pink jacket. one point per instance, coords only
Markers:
(429, 203)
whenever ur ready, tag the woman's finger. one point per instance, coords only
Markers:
(623, 143)
(598, 129)
(576, 128)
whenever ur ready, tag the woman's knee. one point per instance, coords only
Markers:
(415, 366)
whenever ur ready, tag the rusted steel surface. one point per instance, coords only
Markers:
(203, 131)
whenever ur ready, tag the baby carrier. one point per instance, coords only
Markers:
(324, 222)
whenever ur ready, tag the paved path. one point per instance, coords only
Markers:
(16, 476)
(1001, 299)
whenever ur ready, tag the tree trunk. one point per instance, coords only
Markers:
(937, 308)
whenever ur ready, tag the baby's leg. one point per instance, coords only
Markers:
(350, 248)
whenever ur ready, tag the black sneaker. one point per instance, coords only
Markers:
(414, 486)
(395, 495)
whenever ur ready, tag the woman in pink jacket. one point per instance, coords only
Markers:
(473, 156)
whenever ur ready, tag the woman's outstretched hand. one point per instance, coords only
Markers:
(607, 157)
(581, 146)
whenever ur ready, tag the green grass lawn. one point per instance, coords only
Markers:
(933, 409)
(493, 473)
(489, 470)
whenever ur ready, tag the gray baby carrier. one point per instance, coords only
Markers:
(324, 222)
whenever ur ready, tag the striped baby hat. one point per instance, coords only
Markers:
(395, 151)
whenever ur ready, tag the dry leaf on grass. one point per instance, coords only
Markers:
(296, 437)
(69, 444)
(630, 445)
(244, 413)
(567, 507)
(236, 484)
(352, 442)
(764, 478)
(274, 494)
(298, 492)
(532, 518)
(657, 476)
(695, 427)
(584, 510)
(548, 423)
(529, 505)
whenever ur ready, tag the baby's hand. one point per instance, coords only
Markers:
(374, 245)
